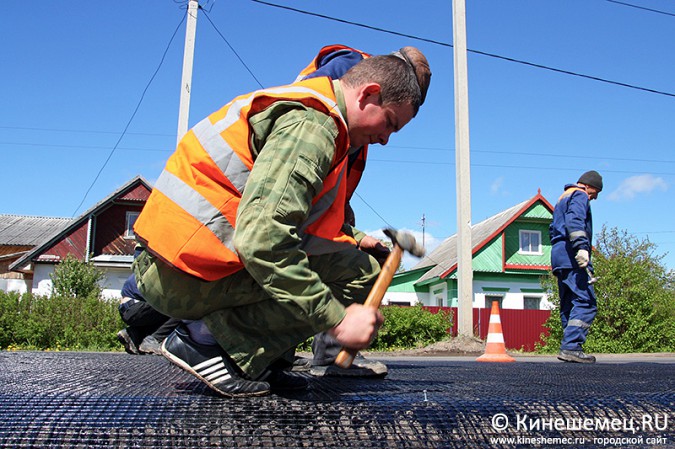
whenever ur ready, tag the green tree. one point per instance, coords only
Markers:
(75, 279)
(636, 298)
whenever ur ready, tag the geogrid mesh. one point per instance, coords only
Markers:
(83, 400)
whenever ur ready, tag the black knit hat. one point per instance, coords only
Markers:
(592, 178)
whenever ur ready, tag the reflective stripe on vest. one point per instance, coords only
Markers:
(189, 218)
(194, 204)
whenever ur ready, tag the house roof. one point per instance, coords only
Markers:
(444, 258)
(120, 194)
(20, 230)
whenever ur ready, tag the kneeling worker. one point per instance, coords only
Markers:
(244, 230)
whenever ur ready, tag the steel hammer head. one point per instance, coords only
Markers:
(405, 241)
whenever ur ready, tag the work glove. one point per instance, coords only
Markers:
(582, 258)
(375, 248)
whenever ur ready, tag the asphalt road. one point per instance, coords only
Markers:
(92, 400)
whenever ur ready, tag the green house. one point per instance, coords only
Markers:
(511, 251)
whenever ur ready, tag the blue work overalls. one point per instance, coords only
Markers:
(570, 231)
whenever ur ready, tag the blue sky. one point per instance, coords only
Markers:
(74, 73)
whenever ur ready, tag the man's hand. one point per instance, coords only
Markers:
(375, 248)
(359, 327)
(582, 258)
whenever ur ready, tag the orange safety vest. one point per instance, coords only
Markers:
(356, 171)
(189, 218)
(359, 164)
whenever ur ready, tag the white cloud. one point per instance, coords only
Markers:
(497, 186)
(636, 185)
(408, 260)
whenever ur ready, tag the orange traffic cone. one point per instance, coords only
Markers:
(495, 350)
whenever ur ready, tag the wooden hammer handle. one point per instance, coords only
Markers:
(346, 356)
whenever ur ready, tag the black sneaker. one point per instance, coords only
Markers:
(150, 345)
(124, 338)
(281, 380)
(210, 364)
(301, 365)
(575, 356)
(361, 367)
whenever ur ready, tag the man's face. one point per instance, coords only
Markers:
(592, 193)
(370, 122)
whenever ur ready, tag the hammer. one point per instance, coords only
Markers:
(403, 241)
(591, 279)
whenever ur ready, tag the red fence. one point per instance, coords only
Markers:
(521, 328)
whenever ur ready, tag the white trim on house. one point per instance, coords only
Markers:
(112, 281)
(513, 295)
(438, 295)
(401, 299)
(14, 285)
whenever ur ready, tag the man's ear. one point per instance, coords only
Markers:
(370, 93)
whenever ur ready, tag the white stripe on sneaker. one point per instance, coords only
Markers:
(210, 369)
(208, 363)
(213, 370)
(218, 376)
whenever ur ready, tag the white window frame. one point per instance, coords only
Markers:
(489, 297)
(521, 234)
(439, 295)
(537, 297)
(131, 218)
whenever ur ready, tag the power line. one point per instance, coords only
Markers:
(440, 263)
(525, 153)
(525, 167)
(346, 22)
(28, 128)
(233, 50)
(355, 24)
(373, 209)
(568, 72)
(642, 7)
(138, 105)
(370, 27)
(446, 150)
(624, 159)
(483, 53)
(434, 162)
(91, 147)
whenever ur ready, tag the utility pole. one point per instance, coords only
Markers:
(188, 57)
(463, 173)
(424, 221)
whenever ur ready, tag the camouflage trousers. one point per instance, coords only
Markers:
(253, 328)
